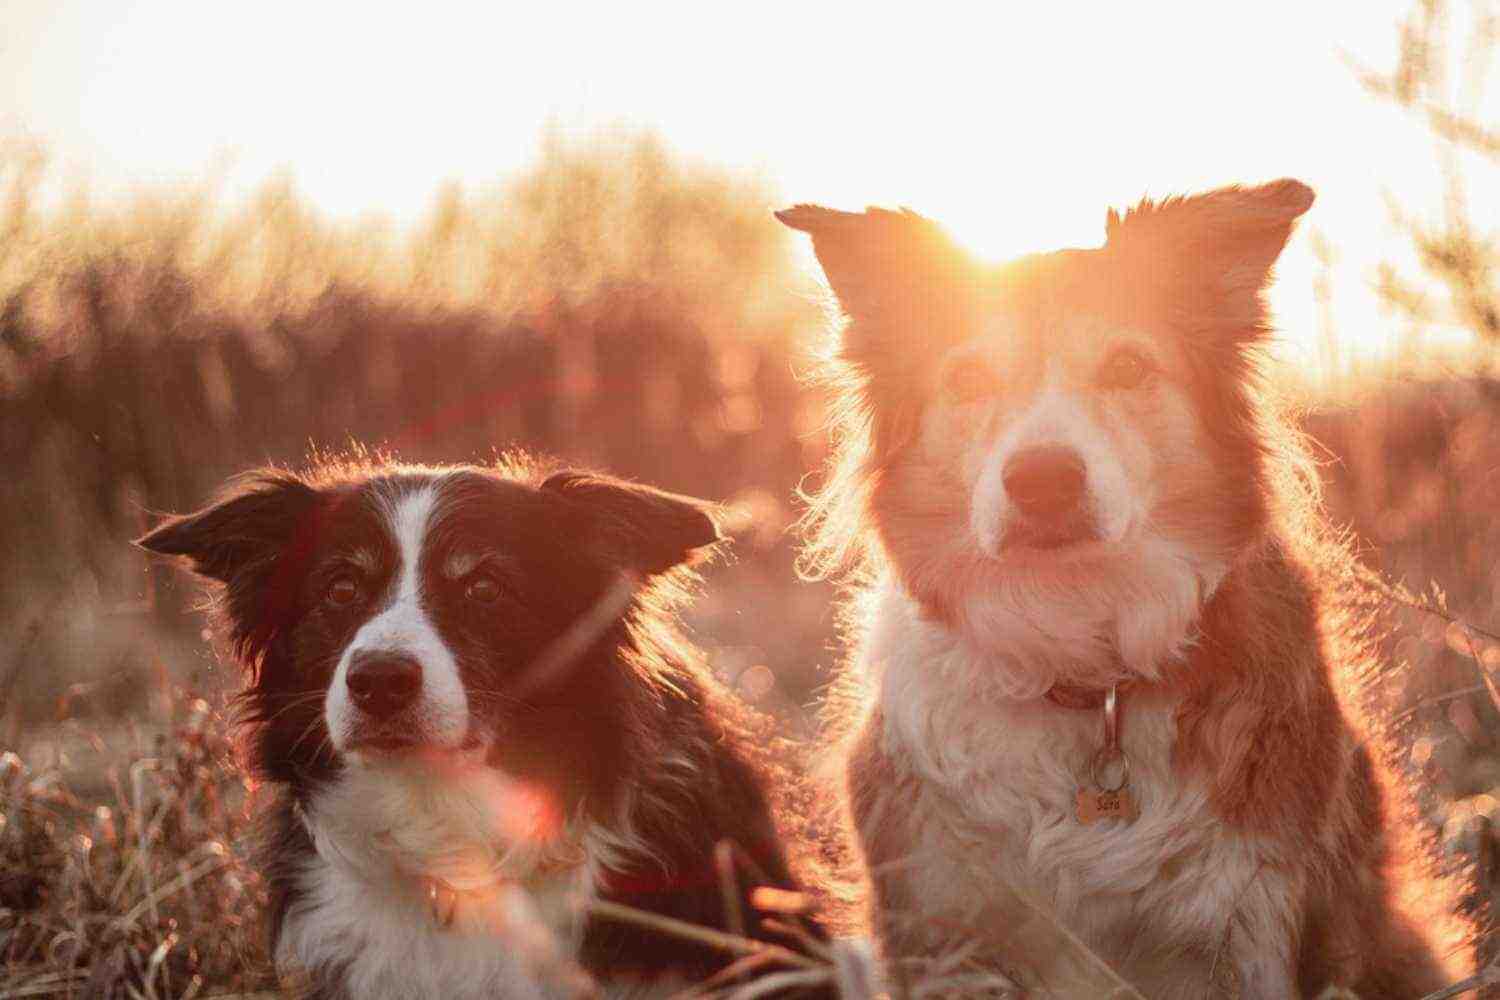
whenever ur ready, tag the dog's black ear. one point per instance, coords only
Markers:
(255, 522)
(879, 261)
(1217, 249)
(249, 541)
(645, 529)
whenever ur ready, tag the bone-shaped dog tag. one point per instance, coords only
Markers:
(1096, 804)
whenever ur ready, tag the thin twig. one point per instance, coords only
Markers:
(734, 944)
(726, 976)
(729, 887)
(182, 881)
(800, 934)
(1437, 699)
(1489, 976)
(775, 983)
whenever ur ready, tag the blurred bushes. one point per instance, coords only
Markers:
(611, 306)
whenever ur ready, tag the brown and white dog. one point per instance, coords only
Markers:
(1062, 476)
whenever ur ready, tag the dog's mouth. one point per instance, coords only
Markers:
(1048, 534)
(388, 743)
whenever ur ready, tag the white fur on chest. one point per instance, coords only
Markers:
(363, 918)
(998, 778)
(383, 942)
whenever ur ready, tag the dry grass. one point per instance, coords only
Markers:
(129, 886)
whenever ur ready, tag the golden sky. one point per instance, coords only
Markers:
(1016, 124)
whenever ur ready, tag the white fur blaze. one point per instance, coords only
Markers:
(403, 626)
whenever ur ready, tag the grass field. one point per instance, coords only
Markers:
(613, 307)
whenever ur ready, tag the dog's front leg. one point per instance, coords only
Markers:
(1266, 976)
(1261, 939)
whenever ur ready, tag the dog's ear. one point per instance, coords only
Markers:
(250, 541)
(1216, 249)
(644, 529)
(896, 274)
(253, 523)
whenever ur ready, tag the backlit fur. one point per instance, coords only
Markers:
(565, 743)
(1275, 853)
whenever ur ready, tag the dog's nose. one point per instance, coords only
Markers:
(382, 684)
(1046, 481)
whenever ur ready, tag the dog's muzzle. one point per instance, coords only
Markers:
(1047, 487)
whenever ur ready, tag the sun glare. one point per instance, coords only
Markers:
(1017, 132)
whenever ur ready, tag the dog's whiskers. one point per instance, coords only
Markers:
(305, 699)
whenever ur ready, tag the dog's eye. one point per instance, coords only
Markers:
(483, 588)
(343, 591)
(969, 381)
(1126, 368)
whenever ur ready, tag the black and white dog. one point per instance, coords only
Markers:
(465, 685)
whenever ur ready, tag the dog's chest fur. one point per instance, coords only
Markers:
(505, 923)
(994, 781)
(385, 939)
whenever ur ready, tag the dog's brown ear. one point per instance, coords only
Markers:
(1218, 248)
(899, 278)
(888, 268)
(870, 256)
(645, 529)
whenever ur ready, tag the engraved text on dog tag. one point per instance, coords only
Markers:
(1094, 805)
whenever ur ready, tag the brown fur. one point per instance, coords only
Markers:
(1277, 717)
(1274, 704)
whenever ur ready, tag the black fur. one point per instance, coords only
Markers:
(590, 727)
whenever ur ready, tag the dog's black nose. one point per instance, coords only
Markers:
(1045, 482)
(382, 684)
